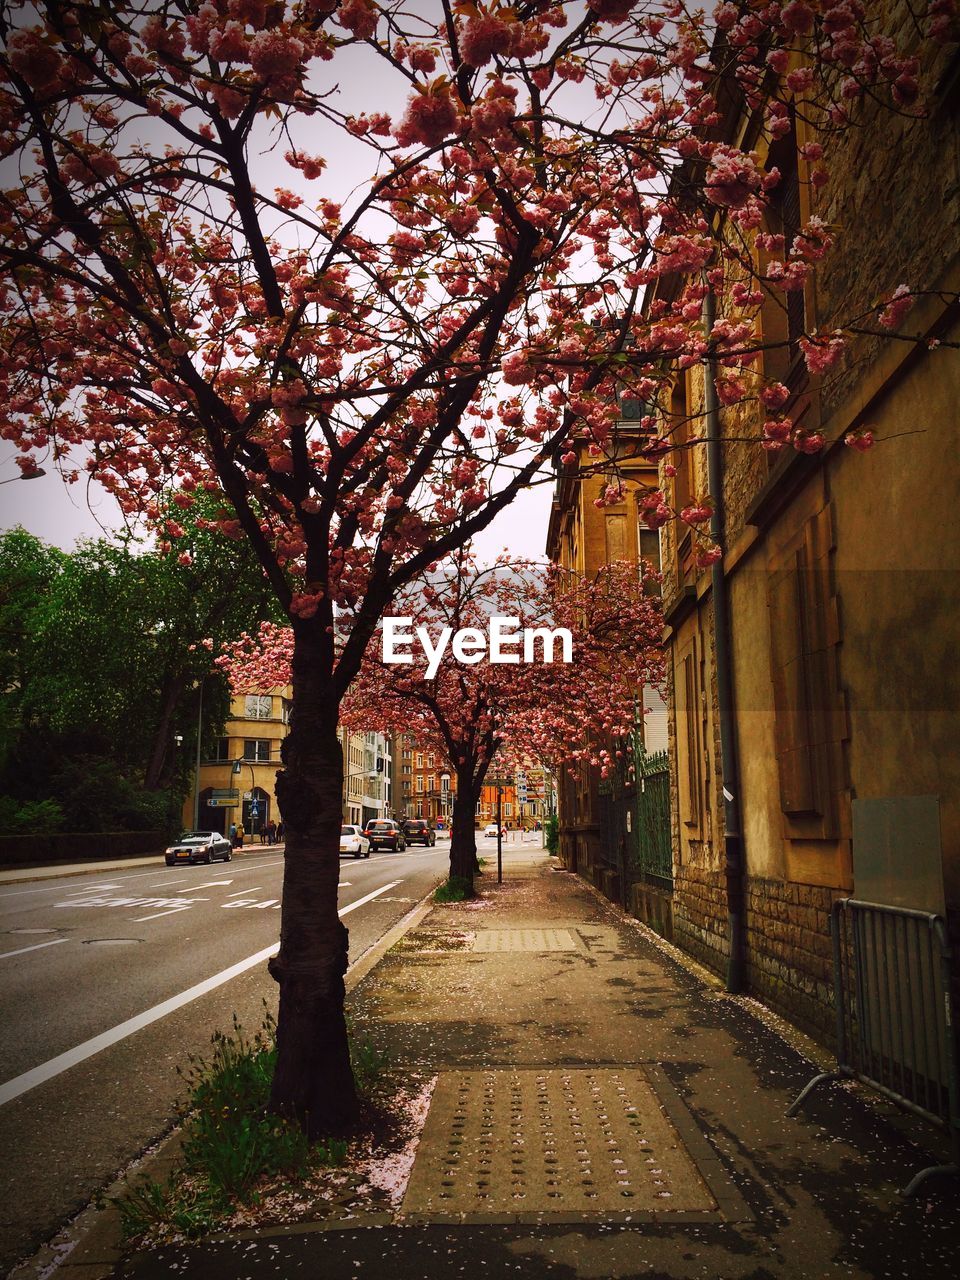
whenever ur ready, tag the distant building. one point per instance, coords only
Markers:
(238, 779)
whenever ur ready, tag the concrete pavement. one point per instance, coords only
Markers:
(601, 1110)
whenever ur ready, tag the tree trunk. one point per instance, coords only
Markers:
(173, 691)
(463, 837)
(313, 1081)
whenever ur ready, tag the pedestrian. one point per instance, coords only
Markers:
(233, 835)
(280, 832)
(264, 835)
(271, 832)
(239, 835)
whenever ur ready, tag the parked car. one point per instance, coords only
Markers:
(383, 833)
(493, 830)
(352, 840)
(419, 831)
(199, 846)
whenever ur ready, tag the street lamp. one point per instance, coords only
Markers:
(254, 809)
(25, 475)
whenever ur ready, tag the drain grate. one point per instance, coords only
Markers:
(585, 1142)
(525, 940)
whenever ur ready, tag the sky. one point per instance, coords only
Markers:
(60, 513)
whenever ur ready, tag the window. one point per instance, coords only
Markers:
(783, 317)
(406, 785)
(256, 749)
(420, 782)
(286, 706)
(507, 809)
(479, 808)
(431, 783)
(405, 768)
(420, 761)
(804, 632)
(220, 751)
(650, 551)
(430, 760)
(258, 706)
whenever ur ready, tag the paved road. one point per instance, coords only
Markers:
(108, 980)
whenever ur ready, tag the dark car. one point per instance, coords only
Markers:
(199, 846)
(418, 831)
(383, 833)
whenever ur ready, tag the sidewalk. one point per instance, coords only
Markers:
(601, 1112)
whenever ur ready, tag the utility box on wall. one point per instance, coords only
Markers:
(897, 855)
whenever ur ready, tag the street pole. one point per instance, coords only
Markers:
(196, 776)
(499, 834)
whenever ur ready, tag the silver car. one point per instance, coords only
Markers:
(199, 846)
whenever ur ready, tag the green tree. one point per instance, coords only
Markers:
(102, 657)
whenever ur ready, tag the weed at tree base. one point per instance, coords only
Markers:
(231, 1141)
(456, 889)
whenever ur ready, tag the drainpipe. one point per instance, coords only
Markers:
(729, 766)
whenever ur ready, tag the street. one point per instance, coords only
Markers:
(110, 979)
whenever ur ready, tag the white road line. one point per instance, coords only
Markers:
(211, 884)
(160, 914)
(36, 947)
(352, 906)
(63, 1062)
(238, 893)
(136, 875)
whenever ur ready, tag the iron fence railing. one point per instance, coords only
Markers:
(654, 847)
(895, 1032)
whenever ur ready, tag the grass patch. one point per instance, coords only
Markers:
(231, 1141)
(456, 889)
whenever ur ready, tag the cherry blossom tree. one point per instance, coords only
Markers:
(366, 358)
(474, 711)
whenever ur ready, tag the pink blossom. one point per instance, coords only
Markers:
(808, 441)
(429, 118)
(274, 55)
(360, 17)
(900, 303)
(708, 554)
(860, 439)
(821, 354)
(229, 44)
(484, 36)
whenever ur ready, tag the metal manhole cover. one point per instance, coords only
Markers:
(110, 942)
(525, 940)
(580, 1142)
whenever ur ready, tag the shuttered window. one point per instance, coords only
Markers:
(804, 632)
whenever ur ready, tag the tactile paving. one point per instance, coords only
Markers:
(580, 1142)
(525, 940)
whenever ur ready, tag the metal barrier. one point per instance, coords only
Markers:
(891, 977)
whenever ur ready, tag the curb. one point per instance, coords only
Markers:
(88, 1247)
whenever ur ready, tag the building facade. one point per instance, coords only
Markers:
(237, 783)
(841, 577)
(582, 538)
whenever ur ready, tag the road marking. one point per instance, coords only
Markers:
(352, 906)
(211, 884)
(36, 947)
(134, 875)
(238, 893)
(73, 1057)
(162, 884)
(252, 902)
(172, 912)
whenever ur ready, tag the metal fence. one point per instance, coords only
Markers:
(635, 823)
(895, 1033)
(654, 847)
